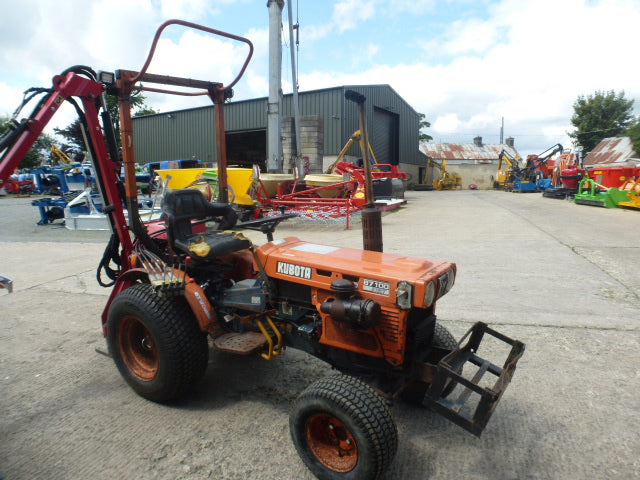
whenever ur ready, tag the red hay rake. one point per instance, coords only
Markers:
(334, 203)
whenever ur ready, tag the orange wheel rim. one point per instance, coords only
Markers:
(138, 349)
(332, 443)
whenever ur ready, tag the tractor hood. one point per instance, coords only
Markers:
(376, 274)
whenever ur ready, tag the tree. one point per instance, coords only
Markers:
(422, 123)
(74, 140)
(138, 108)
(634, 134)
(73, 132)
(599, 116)
(38, 153)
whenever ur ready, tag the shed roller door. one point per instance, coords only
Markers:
(384, 136)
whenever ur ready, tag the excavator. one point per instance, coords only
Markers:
(518, 177)
(505, 176)
(192, 276)
(447, 180)
(59, 156)
(525, 179)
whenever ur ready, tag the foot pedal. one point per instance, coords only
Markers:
(240, 343)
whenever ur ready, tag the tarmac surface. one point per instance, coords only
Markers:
(563, 278)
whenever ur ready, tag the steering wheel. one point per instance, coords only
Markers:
(266, 225)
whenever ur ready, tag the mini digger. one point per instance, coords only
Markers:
(194, 275)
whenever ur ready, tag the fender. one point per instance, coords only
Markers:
(201, 308)
(193, 294)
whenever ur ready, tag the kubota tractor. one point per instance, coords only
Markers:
(369, 314)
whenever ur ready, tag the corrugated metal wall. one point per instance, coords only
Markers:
(328, 105)
(384, 98)
(176, 135)
(191, 133)
(247, 115)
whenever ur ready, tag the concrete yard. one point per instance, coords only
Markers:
(563, 278)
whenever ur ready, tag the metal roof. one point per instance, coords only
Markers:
(611, 150)
(466, 151)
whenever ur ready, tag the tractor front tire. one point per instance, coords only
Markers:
(414, 393)
(343, 430)
(156, 343)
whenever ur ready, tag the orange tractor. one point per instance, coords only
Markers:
(194, 275)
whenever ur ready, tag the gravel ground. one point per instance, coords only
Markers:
(561, 277)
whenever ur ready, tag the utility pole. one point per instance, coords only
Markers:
(274, 114)
(294, 81)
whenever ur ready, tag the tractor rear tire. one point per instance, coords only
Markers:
(156, 343)
(342, 429)
(415, 391)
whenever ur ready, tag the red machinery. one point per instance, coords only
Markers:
(336, 200)
(18, 186)
(611, 175)
(339, 199)
(608, 176)
(378, 170)
(565, 175)
(369, 314)
(571, 177)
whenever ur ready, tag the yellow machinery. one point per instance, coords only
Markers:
(633, 187)
(356, 136)
(505, 176)
(239, 180)
(59, 156)
(448, 180)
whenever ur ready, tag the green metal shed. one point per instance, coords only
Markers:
(392, 124)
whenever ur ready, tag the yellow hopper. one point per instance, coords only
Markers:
(239, 180)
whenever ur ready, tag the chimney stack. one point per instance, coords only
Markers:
(510, 142)
(478, 141)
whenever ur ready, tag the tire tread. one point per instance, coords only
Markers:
(368, 410)
(184, 344)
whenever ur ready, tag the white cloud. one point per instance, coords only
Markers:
(258, 85)
(371, 51)
(521, 63)
(348, 14)
(412, 6)
(113, 34)
(449, 122)
(524, 60)
(7, 97)
(203, 57)
(186, 9)
(472, 36)
(317, 32)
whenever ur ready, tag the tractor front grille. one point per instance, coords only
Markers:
(391, 325)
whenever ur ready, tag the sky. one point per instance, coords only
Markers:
(465, 64)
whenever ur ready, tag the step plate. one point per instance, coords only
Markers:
(240, 343)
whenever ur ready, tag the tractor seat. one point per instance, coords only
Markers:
(181, 207)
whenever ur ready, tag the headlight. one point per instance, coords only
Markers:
(452, 279)
(108, 78)
(445, 282)
(429, 294)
